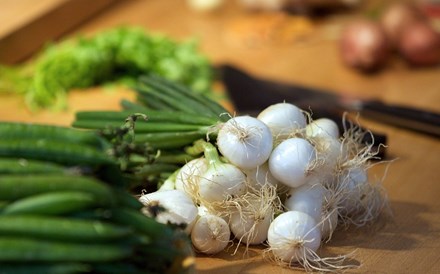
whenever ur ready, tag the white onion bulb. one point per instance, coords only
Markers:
(291, 161)
(245, 141)
(220, 182)
(188, 177)
(178, 207)
(306, 198)
(323, 128)
(293, 235)
(259, 176)
(250, 223)
(283, 119)
(210, 234)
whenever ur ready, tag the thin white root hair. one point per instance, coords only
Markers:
(256, 204)
(373, 205)
(329, 208)
(369, 205)
(191, 186)
(308, 260)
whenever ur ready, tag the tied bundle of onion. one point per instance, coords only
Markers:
(280, 179)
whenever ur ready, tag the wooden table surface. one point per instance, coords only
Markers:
(411, 243)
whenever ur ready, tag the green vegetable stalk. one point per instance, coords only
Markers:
(64, 207)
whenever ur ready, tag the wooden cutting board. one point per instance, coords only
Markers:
(28, 24)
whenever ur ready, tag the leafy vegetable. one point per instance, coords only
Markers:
(115, 55)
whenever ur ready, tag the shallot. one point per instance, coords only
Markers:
(364, 45)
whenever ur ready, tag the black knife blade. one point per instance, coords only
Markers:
(251, 94)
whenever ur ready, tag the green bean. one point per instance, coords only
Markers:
(24, 250)
(108, 115)
(138, 181)
(184, 90)
(52, 203)
(156, 169)
(153, 116)
(61, 228)
(174, 158)
(119, 268)
(132, 106)
(139, 128)
(146, 225)
(171, 144)
(25, 166)
(154, 103)
(177, 89)
(152, 86)
(44, 268)
(126, 200)
(15, 130)
(151, 93)
(165, 156)
(112, 175)
(13, 187)
(55, 151)
(174, 139)
(99, 213)
(3, 204)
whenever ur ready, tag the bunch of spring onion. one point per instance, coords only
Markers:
(159, 130)
(280, 179)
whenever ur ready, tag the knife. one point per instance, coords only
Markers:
(251, 94)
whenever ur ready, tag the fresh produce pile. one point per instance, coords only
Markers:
(402, 27)
(203, 177)
(116, 55)
(280, 179)
(64, 209)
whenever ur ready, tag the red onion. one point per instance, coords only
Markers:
(364, 45)
(419, 44)
(397, 17)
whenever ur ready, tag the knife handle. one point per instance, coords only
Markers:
(405, 117)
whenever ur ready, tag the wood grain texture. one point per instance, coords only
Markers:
(30, 24)
(411, 242)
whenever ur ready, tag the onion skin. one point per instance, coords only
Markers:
(364, 45)
(397, 17)
(419, 44)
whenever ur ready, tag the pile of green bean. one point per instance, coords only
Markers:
(164, 122)
(58, 214)
(37, 148)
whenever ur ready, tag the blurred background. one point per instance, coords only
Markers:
(294, 40)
